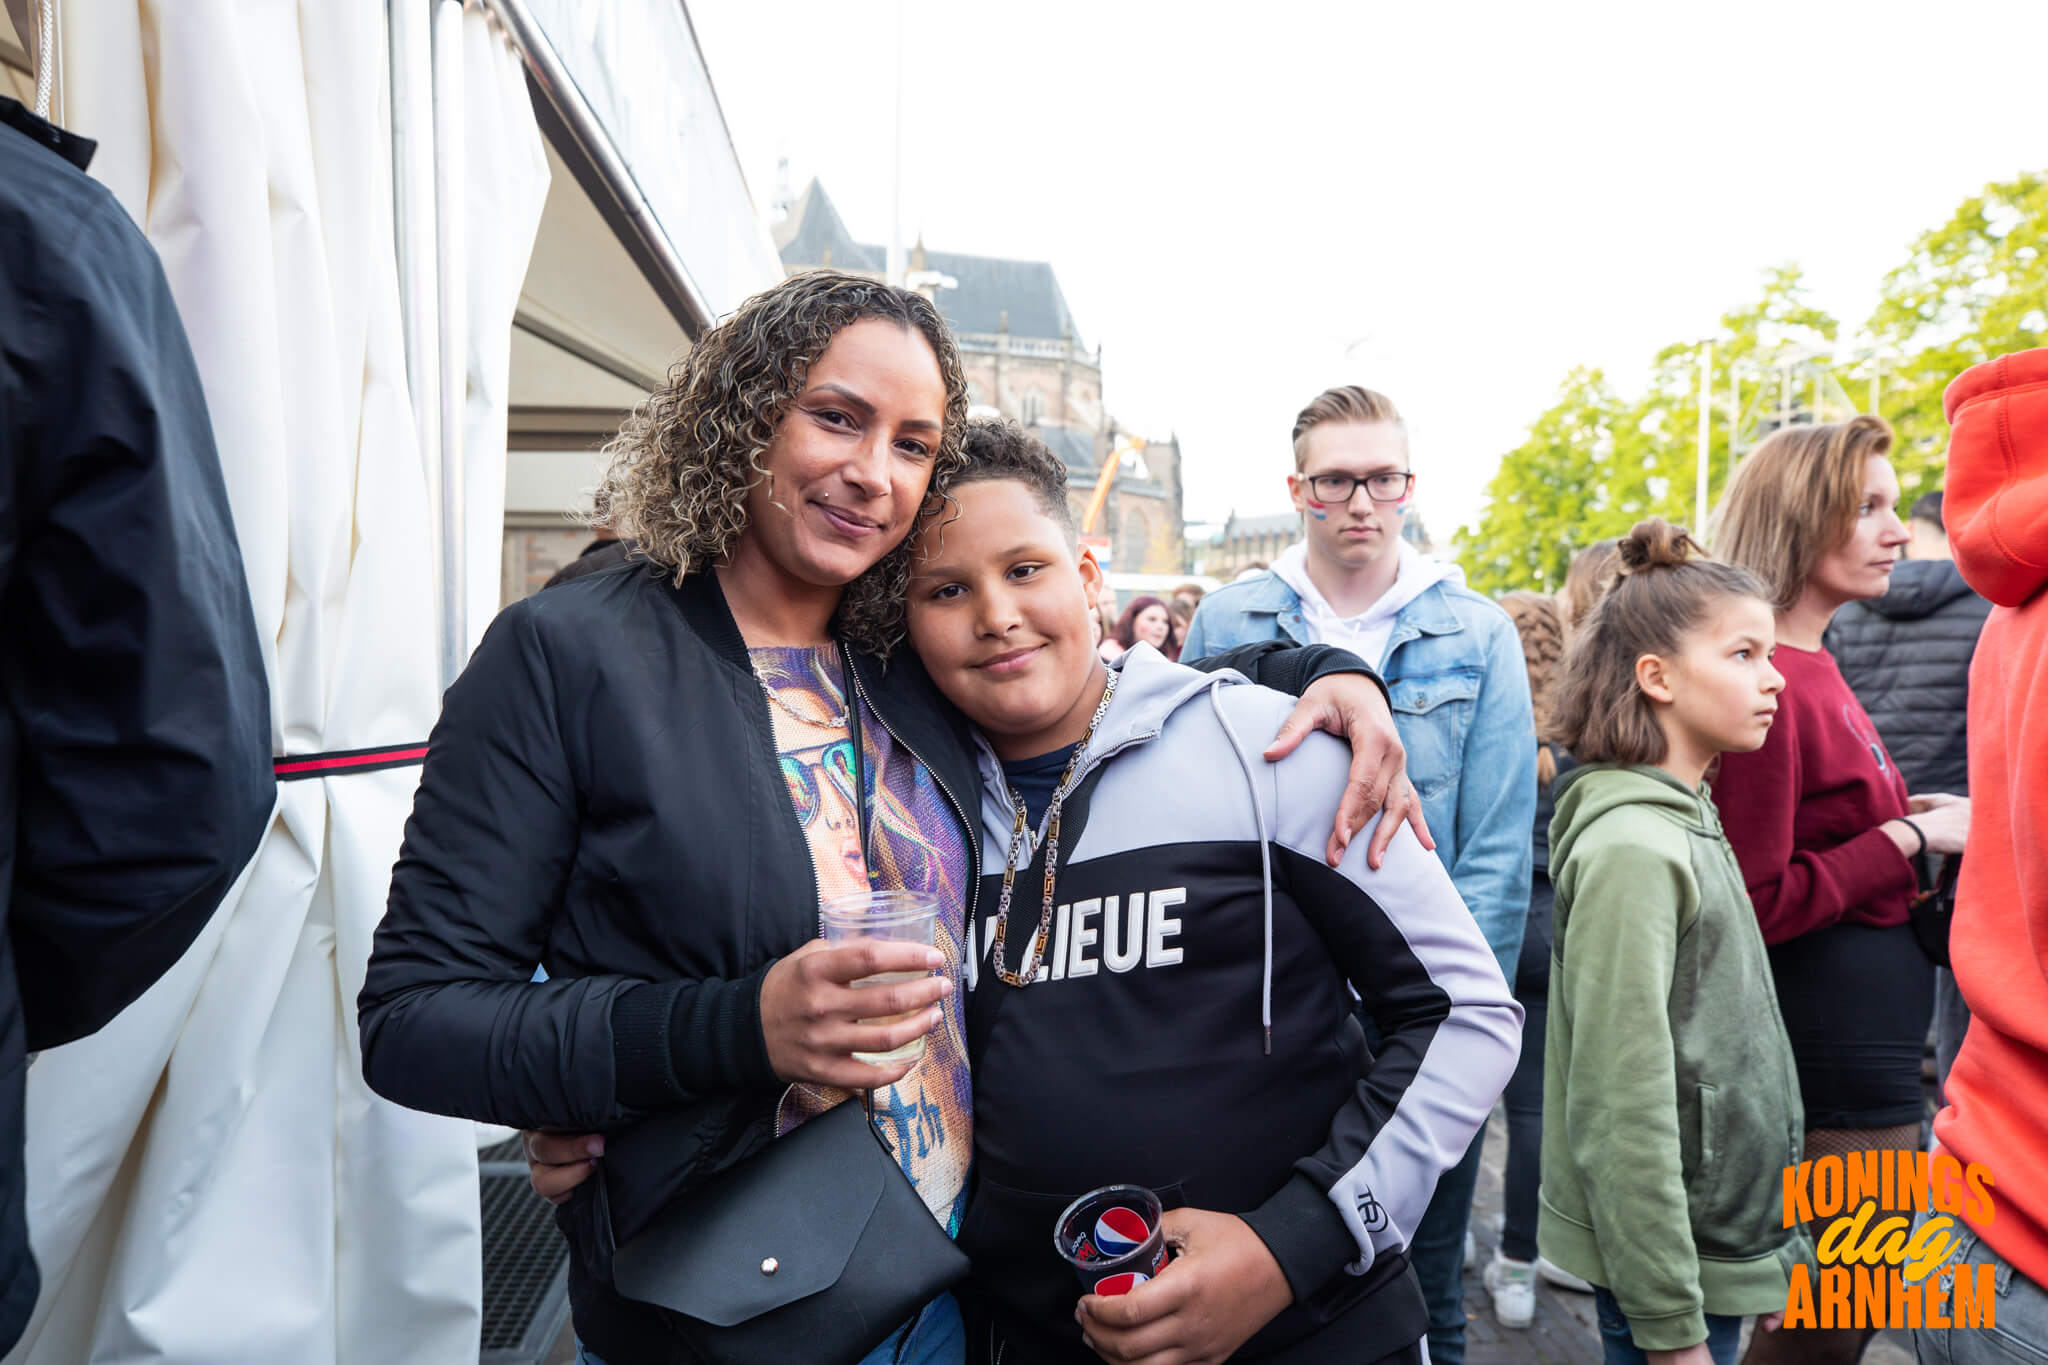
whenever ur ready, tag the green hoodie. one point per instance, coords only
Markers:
(1670, 1102)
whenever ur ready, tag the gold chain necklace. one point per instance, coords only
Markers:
(830, 722)
(1052, 856)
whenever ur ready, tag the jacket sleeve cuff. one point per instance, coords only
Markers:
(1673, 1332)
(1877, 869)
(1305, 1233)
(640, 1045)
(1288, 667)
(1320, 661)
(677, 1039)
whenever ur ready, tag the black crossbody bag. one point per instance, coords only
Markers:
(816, 1248)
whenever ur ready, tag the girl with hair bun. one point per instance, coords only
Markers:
(1670, 1098)
(1821, 822)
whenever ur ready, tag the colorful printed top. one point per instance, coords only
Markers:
(917, 846)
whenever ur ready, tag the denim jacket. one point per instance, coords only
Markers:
(1460, 690)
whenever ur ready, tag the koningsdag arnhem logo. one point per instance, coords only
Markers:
(1877, 1269)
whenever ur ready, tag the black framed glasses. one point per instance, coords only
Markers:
(1388, 486)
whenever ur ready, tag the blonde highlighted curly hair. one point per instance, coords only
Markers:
(683, 463)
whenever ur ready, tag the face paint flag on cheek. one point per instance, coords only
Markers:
(1317, 510)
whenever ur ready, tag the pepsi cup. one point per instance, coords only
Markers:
(1112, 1238)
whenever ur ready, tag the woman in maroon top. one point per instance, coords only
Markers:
(1821, 822)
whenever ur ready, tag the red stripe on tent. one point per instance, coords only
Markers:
(354, 760)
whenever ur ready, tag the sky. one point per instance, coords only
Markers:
(1453, 204)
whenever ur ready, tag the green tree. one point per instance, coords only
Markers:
(1545, 489)
(1974, 288)
(1595, 464)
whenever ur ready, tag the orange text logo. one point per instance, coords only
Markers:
(1876, 1268)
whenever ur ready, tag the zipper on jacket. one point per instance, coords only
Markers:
(810, 868)
(970, 829)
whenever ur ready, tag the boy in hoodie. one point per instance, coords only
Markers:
(1453, 666)
(1997, 1111)
(1158, 979)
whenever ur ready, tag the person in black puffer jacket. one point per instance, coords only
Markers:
(1906, 656)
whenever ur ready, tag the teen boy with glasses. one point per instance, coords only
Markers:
(1453, 665)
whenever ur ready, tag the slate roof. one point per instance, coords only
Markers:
(1075, 448)
(816, 228)
(986, 286)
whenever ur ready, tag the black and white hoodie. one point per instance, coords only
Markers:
(1192, 1028)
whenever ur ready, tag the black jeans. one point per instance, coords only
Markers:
(1524, 1095)
(1524, 1100)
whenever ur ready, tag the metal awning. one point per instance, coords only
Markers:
(626, 102)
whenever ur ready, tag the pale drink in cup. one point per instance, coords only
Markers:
(887, 917)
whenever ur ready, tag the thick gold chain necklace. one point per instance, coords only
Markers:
(1052, 856)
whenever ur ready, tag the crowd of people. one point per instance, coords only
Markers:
(1670, 862)
(1661, 884)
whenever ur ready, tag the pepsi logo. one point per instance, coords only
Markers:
(1120, 1231)
(1111, 1285)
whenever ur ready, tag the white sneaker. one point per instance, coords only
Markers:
(1562, 1278)
(1512, 1287)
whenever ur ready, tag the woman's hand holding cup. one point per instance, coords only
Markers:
(811, 1012)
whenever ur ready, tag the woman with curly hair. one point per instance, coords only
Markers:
(648, 778)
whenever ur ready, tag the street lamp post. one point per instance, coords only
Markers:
(1706, 419)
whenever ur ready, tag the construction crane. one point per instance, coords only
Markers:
(1125, 446)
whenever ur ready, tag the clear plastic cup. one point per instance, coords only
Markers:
(888, 917)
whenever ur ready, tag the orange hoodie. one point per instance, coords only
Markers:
(1996, 510)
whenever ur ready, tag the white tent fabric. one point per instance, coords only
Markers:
(506, 172)
(209, 1179)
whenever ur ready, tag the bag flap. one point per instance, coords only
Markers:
(776, 1228)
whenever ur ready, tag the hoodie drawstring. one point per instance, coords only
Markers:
(1265, 858)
